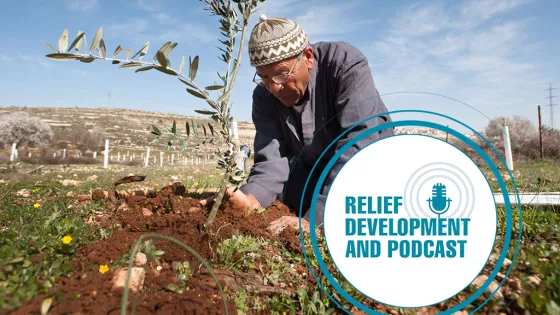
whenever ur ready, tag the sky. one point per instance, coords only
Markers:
(471, 60)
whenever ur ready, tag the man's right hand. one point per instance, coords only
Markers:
(237, 200)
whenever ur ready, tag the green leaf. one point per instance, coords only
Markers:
(96, 40)
(82, 41)
(162, 49)
(182, 64)
(102, 49)
(214, 87)
(223, 97)
(193, 68)
(128, 52)
(77, 40)
(174, 127)
(188, 129)
(142, 52)
(63, 56)
(197, 94)
(155, 140)
(156, 130)
(63, 41)
(131, 65)
(87, 59)
(115, 62)
(46, 305)
(165, 70)
(204, 129)
(168, 49)
(50, 47)
(161, 59)
(205, 112)
(117, 51)
(145, 69)
(188, 83)
(211, 129)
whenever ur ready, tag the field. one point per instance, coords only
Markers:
(65, 239)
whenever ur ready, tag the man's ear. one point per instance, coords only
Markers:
(309, 58)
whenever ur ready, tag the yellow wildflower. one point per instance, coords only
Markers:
(36, 205)
(103, 269)
(196, 184)
(67, 239)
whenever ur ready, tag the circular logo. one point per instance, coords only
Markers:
(410, 221)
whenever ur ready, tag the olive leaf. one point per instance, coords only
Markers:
(128, 52)
(223, 97)
(182, 64)
(174, 128)
(131, 65)
(204, 129)
(50, 47)
(197, 94)
(161, 59)
(168, 49)
(162, 49)
(142, 52)
(188, 83)
(96, 40)
(165, 70)
(63, 56)
(205, 112)
(145, 69)
(193, 68)
(117, 51)
(188, 129)
(214, 87)
(77, 41)
(102, 49)
(211, 129)
(63, 41)
(156, 131)
(87, 59)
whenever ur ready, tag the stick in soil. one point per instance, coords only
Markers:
(135, 248)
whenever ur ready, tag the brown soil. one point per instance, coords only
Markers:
(90, 292)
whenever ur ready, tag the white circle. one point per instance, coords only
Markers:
(383, 169)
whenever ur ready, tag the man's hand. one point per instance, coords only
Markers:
(277, 226)
(236, 200)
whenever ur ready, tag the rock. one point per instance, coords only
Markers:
(23, 193)
(140, 259)
(70, 182)
(194, 210)
(92, 178)
(480, 280)
(75, 175)
(534, 280)
(500, 276)
(461, 313)
(123, 207)
(507, 262)
(175, 178)
(136, 282)
(146, 212)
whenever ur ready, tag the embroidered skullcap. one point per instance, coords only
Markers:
(275, 39)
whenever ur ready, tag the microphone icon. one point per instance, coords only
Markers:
(439, 204)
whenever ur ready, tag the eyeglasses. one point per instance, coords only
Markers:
(278, 79)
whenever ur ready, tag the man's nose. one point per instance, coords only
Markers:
(273, 87)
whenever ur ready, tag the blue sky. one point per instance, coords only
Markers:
(498, 56)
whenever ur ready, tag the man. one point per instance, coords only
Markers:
(306, 96)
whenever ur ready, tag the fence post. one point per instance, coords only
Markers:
(13, 156)
(234, 130)
(106, 158)
(160, 159)
(507, 147)
(147, 161)
(172, 158)
(64, 154)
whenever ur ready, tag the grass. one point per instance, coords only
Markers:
(35, 248)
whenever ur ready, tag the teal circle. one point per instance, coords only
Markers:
(499, 178)
(493, 243)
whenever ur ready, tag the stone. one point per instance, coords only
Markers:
(136, 282)
(534, 280)
(92, 178)
(146, 212)
(140, 259)
(194, 210)
(70, 182)
(123, 207)
(23, 193)
(480, 280)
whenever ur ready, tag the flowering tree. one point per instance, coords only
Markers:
(233, 18)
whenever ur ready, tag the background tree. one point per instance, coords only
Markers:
(25, 130)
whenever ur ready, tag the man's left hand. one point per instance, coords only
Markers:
(277, 226)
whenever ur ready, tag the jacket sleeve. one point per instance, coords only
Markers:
(271, 167)
(356, 98)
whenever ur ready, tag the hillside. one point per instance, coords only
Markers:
(125, 128)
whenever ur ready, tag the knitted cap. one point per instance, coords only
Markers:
(275, 39)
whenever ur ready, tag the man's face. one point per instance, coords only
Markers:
(292, 91)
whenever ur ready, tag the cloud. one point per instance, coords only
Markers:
(5, 58)
(82, 5)
(147, 5)
(162, 18)
(40, 61)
